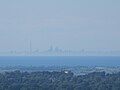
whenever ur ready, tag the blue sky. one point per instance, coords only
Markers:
(68, 24)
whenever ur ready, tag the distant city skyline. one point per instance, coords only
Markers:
(56, 51)
(92, 25)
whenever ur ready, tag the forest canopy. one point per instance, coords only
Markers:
(58, 81)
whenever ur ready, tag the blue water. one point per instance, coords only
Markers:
(60, 60)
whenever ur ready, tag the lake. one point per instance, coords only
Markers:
(59, 61)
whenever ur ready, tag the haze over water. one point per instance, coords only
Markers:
(77, 25)
(68, 24)
(60, 61)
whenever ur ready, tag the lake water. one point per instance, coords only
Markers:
(60, 60)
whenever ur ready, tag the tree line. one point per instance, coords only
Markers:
(45, 80)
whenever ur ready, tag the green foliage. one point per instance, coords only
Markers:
(58, 81)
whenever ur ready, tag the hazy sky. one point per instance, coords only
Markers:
(68, 24)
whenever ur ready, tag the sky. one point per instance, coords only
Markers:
(67, 24)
